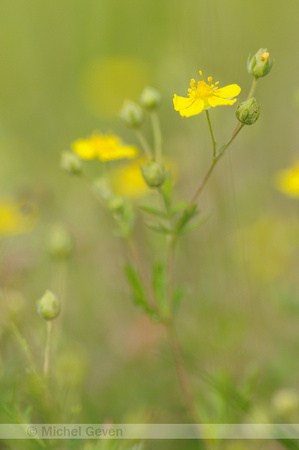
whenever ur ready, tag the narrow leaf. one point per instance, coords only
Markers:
(159, 228)
(187, 215)
(153, 211)
(138, 293)
(192, 226)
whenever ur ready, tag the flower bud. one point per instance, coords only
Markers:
(71, 163)
(248, 111)
(261, 64)
(48, 307)
(115, 203)
(154, 174)
(131, 114)
(60, 243)
(150, 98)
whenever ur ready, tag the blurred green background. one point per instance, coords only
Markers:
(66, 68)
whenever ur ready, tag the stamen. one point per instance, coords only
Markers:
(200, 73)
(210, 79)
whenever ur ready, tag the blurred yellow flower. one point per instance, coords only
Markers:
(15, 218)
(105, 148)
(204, 95)
(107, 82)
(287, 181)
(128, 181)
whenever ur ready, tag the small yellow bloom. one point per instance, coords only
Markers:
(287, 181)
(203, 96)
(105, 148)
(15, 218)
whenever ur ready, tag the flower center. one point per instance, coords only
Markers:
(202, 90)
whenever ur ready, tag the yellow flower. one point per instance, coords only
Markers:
(287, 181)
(105, 148)
(15, 218)
(204, 95)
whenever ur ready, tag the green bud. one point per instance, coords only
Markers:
(131, 114)
(150, 98)
(261, 64)
(48, 307)
(116, 203)
(154, 174)
(60, 243)
(71, 163)
(248, 112)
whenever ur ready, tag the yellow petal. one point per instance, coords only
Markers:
(84, 149)
(182, 102)
(196, 108)
(230, 91)
(216, 101)
(114, 153)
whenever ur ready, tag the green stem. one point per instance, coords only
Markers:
(214, 162)
(144, 144)
(212, 134)
(47, 348)
(253, 86)
(157, 137)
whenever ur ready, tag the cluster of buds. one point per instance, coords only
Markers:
(258, 66)
(131, 113)
(153, 172)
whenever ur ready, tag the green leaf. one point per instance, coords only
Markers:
(187, 215)
(192, 226)
(160, 284)
(138, 292)
(153, 211)
(178, 208)
(159, 228)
